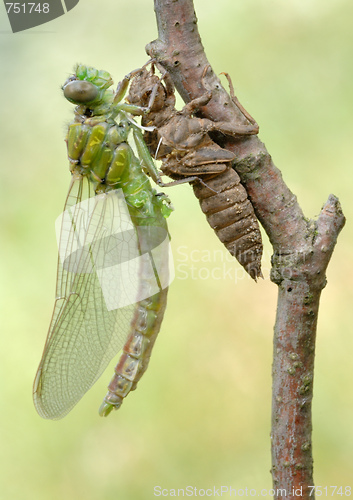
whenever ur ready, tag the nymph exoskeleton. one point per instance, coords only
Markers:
(182, 141)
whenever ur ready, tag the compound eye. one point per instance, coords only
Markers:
(80, 91)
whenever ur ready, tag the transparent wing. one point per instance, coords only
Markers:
(86, 330)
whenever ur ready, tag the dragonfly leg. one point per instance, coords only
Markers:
(189, 180)
(145, 157)
(228, 128)
(237, 103)
(124, 83)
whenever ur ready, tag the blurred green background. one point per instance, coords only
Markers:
(201, 414)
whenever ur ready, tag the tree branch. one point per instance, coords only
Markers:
(302, 247)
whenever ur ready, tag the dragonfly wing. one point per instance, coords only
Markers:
(86, 330)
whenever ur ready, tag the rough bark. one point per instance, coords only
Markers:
(302, 247)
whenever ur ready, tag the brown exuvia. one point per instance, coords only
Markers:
(182, 141)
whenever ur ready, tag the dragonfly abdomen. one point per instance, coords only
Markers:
(136, 352)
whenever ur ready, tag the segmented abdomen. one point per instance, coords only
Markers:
(137, 350)
(230, 213)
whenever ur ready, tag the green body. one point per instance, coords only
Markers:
(101, 158)
(97, 147)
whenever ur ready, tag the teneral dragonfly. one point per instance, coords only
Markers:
(114, 267)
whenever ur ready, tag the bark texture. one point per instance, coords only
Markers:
(302, 247)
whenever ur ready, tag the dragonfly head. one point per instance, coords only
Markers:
(88, 87)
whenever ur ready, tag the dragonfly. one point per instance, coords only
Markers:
(114, 263)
